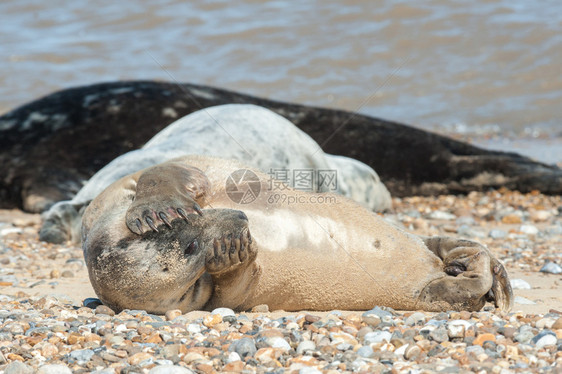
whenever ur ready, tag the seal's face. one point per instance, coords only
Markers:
(166, 269)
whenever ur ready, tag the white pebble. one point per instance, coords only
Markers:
(552, 268)
(377, 337)
(546, 340)
(529, 229)
(520, 284)
(305, 345)
(523, 301)
(278, 342)
(54, 369)
(10, 230)
(546, 322)
(401, 350)
(169, 369)
(223, 312)
(438, 214)
(309, 370)
(193, 328)
(232, 357)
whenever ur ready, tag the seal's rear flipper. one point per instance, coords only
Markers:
(472, 276)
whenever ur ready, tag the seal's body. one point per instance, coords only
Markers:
(172, 236)
(255, 135)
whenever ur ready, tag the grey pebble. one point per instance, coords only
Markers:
(17, 367)
(377, 337)
(524, 336)
(414, 319)
(474, 349)
(440, 334)
(82, 355)
(357, 364)
(92, 302)
(465, 220)
(365, 351)
(376, 315)
(497, 234)
(552, 268)
(554, 230)
(245, 347)
(380, 312)
(471, 232)
(371, 319)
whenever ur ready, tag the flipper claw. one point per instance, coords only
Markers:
(150, 223)
(182, 213)
(165, 219)
(139, 225)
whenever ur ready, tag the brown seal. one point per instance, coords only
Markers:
(170, 236)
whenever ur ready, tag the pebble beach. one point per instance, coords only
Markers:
(51, 323)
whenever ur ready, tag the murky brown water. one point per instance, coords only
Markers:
(483, 65)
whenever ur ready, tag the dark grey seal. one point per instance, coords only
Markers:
(51, 146)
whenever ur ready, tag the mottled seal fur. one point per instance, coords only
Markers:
(50, 146)
(257, 136)
(171, 237)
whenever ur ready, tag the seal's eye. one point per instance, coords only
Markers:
(191, 248)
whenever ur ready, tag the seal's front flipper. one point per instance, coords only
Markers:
(501, 292)
(231, 262)
(230, 252)
(472, 277)
(165, 192)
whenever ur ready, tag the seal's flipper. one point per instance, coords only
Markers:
(165, 192)
(472, 275)
(233, 268)
(501, 291)
(231, 252)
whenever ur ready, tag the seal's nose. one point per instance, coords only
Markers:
(242, 215)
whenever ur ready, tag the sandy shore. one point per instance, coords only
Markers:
(523, 230)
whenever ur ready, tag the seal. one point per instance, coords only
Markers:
(254, 135)
(51, 146)
(171, 237)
